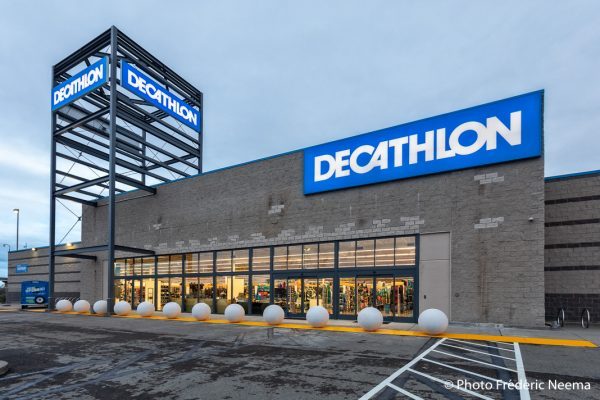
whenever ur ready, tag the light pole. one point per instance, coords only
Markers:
(16, 211)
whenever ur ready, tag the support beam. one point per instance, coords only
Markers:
(81, 185)
(136, 184)
(78, 200)
(134, 250)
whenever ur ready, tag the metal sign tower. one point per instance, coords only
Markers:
(121, 121)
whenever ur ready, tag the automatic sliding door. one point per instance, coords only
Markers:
(347, 297)
(294, 296)
(309, 294)
(386, 296)
(364, 292)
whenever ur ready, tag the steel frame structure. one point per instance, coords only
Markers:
(110, 142)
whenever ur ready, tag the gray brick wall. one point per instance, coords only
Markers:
(497, 272)
(67, 278)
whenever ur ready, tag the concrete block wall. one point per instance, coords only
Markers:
(572, 248)
(68, 280)
(497, 270)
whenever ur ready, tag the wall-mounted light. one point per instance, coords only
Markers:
(33, 249)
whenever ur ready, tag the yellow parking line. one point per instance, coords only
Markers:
(395, 332)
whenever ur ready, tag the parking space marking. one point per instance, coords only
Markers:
(445, 363)
(521, 374)
(396, 374)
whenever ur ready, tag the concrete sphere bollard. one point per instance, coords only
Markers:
(433, 321)
(64, 306)
(370, 319)
(145, 309)
(317, 316)
(122, 308)
(273, 314)
(201, 311)
(171, 310)
(234, 313)
(81, 306)
(100, 307)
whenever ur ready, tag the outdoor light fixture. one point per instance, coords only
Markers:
(33, 249)
(69, 244)
(17, 211)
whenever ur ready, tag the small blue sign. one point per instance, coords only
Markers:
(34, 293)
(83, 82)
(501, 131)
(22, 268)
(148, 89)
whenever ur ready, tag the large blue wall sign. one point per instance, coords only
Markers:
(148, 89)
(81, 83)
(501, 131)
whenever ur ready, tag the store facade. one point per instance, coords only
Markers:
(342, 276)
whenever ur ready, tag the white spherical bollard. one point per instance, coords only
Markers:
(317, 316)
(171, 310)
(234, 313)
(370, 319)
(201, 311)
(145, 309)
(273, 314)
(433, 321)
(64, 306)
(100, 307)
(81, 306)
(122, 308)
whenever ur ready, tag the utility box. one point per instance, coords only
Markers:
(34, 294)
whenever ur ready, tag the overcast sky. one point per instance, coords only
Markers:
(281, 75)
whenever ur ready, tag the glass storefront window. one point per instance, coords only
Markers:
(240, 260)
(384, 252)
(239, 291)
(176, 265)
(280, 293)
(128, 270)
(162, 265)
(205, 291)
(326, 255)
(119, 267)
(310, 256)
(164, 293)
(294, 257)
(310, 293)
(325, 293)
(148, 289)
(385, 295)
(261, 259)
(206, 262)
(364, 292)
(119, 290)
(224, 261)
(191, 292)
(347, 254)
(280, 258)
(403, 297)
(365, 253)
(347, 299)
(191, 263)
(175, 290)
(405, 250)
(148, 266)
(223, 291)
(294, 296)
(261, 293)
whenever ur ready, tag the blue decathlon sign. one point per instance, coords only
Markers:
(22, 268)
(504, 130)
(148, 89)
(83, 82)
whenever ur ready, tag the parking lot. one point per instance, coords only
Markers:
(80, 357)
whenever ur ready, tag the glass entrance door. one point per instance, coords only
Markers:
(294, 297)
(386, 296)
(302, 293)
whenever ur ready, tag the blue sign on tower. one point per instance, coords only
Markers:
(83, 82)
(148, 89)
(501, 131)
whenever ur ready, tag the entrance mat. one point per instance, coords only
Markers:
(395, 332)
